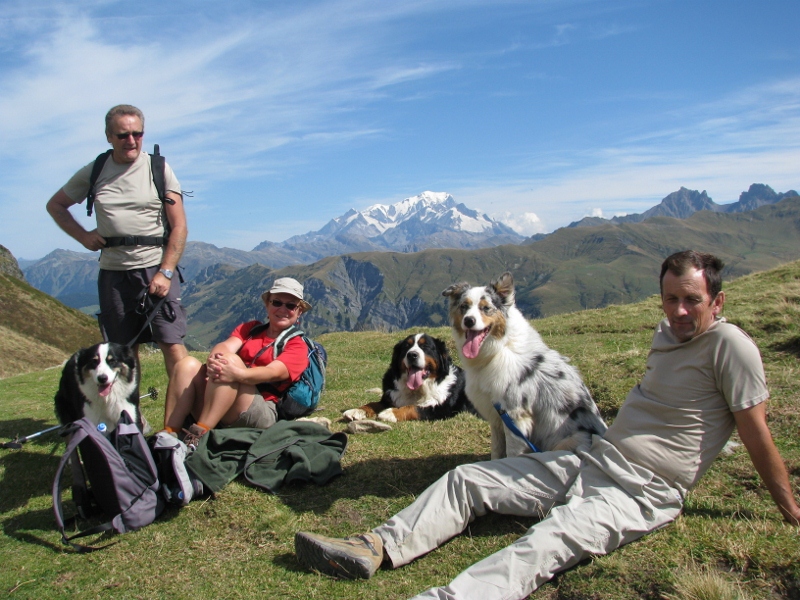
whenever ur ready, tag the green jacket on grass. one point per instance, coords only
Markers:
(287, 451)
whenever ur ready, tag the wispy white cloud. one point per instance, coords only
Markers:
(242, 93)
(751, 136)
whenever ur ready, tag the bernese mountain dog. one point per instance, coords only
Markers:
(421, 383)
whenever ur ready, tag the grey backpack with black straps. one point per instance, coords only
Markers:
(122, 478)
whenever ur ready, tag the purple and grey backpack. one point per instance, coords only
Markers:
(122, 477)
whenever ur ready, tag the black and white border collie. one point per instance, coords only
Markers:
(421, 384)
(505, 361)
(99, 383)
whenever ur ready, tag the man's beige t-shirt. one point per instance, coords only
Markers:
(679, 417)
(126, 203)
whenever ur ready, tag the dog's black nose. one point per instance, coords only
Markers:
(469, 322)
(412, 355)
(102, 378)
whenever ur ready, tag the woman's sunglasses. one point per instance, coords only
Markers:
(290, 306)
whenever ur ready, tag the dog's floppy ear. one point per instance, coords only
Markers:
(504, 287)
(398, 354)
(455, 290)
(444, 355)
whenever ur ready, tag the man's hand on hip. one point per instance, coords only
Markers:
(93, 241)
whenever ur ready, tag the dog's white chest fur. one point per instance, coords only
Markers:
(507, 363)
(106, 409)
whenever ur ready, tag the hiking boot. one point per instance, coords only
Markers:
(356, 557)
(193, 435)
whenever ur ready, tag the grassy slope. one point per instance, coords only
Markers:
(36, 330)
(241, 544)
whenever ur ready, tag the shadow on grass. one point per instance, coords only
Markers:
(23, 528)
(382, 478)
(27, 475)
(790, 346)
(715, 513)
(38, 527)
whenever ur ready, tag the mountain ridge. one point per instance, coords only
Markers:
(569, 270)
(71, 276)
(685, 202)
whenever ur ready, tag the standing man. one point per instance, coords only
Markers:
(137, 258)
(704, 377)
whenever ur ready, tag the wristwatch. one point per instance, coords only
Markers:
(166, 273)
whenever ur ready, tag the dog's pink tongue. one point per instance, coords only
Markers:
(473, 344)
(415, 377)
(104, 390)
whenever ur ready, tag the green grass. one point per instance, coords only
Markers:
(729, 543)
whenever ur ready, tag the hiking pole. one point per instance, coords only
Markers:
(17, 442)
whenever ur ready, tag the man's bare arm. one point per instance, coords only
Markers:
(58, 207)
(755, 434)
(179, 230)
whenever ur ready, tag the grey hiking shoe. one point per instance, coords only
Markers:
(355, 557)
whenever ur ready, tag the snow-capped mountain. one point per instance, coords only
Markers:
(429, 220)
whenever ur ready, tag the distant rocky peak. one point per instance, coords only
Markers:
(758, 195)
(682, 204)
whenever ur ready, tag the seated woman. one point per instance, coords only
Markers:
(223, 391)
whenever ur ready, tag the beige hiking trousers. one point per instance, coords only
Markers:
(590, 503)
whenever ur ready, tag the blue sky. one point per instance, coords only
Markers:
(283, 115)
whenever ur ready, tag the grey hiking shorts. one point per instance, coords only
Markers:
(122, 314)
(262, 414)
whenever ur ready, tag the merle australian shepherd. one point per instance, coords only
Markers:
(99, 383)
(507, 363)
(421, 384)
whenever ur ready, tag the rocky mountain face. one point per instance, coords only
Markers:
(69, 276)
(684, 203)
(9, 265)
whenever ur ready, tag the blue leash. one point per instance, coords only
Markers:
(512, 427)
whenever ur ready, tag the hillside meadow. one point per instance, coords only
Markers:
(730, 542)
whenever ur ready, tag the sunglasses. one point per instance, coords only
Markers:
(124, 136)
(290, 306)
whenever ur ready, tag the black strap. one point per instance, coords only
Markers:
(135, 240)
(143, 297)
(105, 527)
(254, 332)
(99, 162)
(76, 436)
(259, 353)
(157, 167)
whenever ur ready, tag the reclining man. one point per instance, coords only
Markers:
(704, 376)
